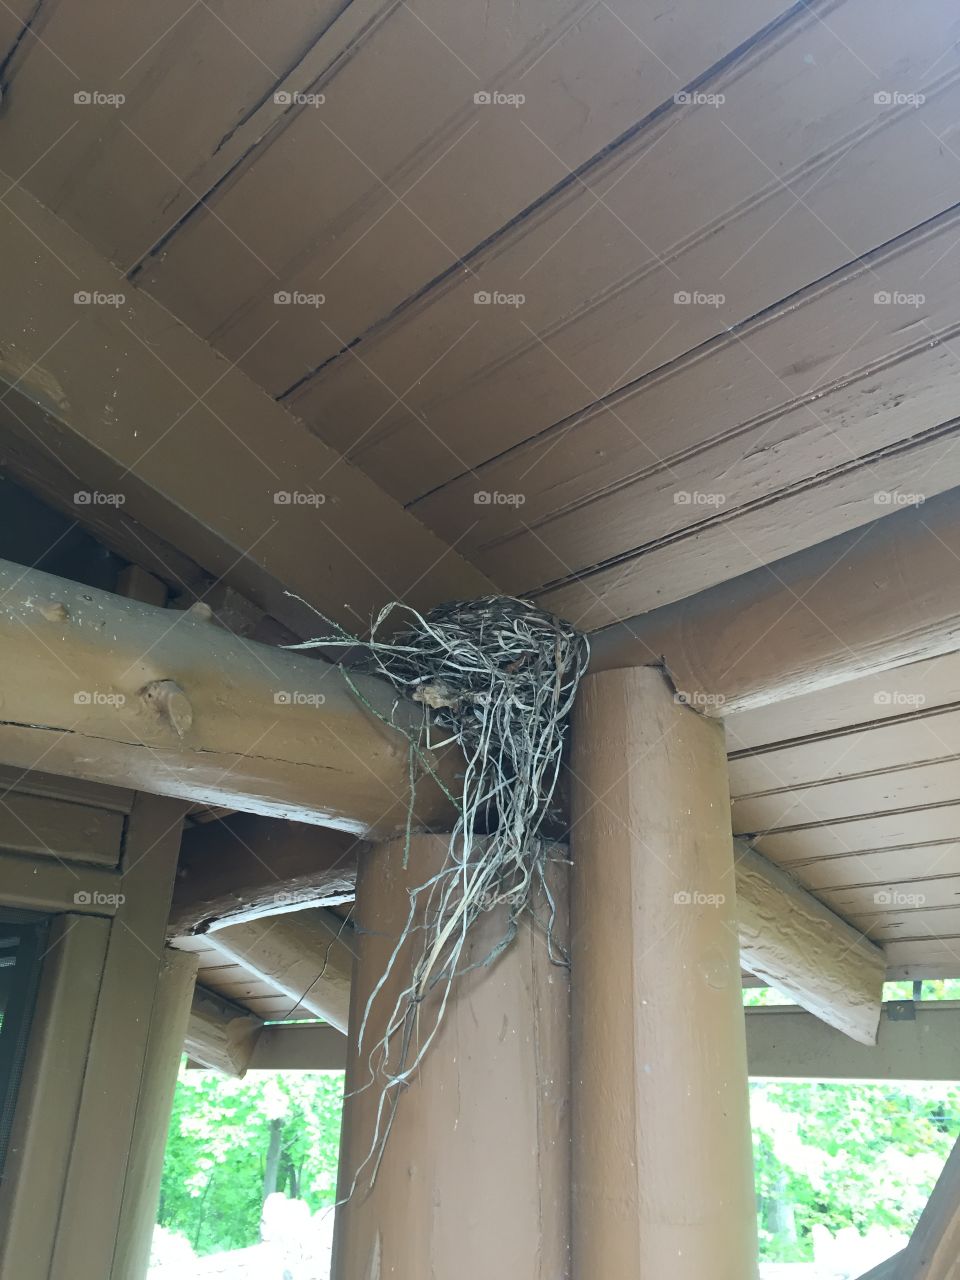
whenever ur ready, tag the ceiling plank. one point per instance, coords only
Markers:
(123, 395)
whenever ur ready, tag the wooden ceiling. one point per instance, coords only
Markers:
(736, 233)
(855, 790)
(770, 155)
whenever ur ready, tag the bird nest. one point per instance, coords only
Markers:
(498, 676)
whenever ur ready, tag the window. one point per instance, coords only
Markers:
(22, 944)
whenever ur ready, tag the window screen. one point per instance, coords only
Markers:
(21, 951)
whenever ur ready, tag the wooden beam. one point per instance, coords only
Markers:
(302, 1048)
(880, 596)
(190, 447)
(662, 1159)
(475, 1179)
(914, 1042)
(803, 949)
(308, 956)
(933, 1251)
(158, 1082)
(220, 1034)
(246, 866)
(100, 687)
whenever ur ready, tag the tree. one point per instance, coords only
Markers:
(215, 1174)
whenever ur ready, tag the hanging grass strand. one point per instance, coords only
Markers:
(498, 676)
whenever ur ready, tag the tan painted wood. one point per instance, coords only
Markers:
(929, 958)
(896, 830)
(879, 750)
(911, 691)
(50, 828)
(220, 1034)
(663, 1179)
(933, 1251)
(44, 884)
(832, 878)
(364, 548)
(247, 866)
(251, 726)
(38, 1159)
(302, 1048)
(700, 199)
(474, 1181)
(123, 175)
(158, 1081)
(788, 1043)
(371, 252)
(34, 782)
(821, 614)
(805, 950)
(918, 787)
(891, 1269)
(307, 956)
(103, 1133)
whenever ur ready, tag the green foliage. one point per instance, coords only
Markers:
(213, 1174)
(846, 1155)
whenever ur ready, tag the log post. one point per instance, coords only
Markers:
(662, 1165)
(474, 1180)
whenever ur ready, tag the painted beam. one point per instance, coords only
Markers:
(913, 1043)
(221, 1034)
(796, 944)
(308, 956)
(138, 413)
(301, 1048)
(108, 689)
(246, 866)
(662, 1159)
(933, 1251)
(878, 597)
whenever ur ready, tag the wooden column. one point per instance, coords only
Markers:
(662, 1165)
(474, 1181)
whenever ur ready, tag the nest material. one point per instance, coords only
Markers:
(499, 676)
